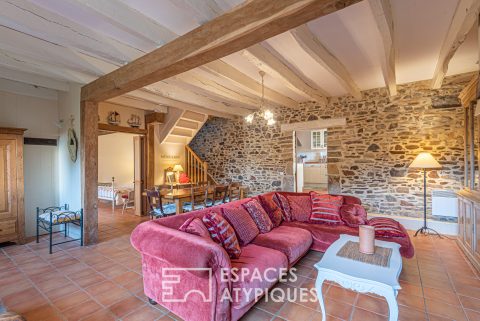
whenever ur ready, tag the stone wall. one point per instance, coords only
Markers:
(369, 157)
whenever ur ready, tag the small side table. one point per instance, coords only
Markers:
(359, 276)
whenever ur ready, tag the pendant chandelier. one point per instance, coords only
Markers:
(267, 114)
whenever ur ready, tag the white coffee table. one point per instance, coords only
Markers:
(359, 276)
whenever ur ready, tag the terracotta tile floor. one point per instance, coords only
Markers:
(103, 282)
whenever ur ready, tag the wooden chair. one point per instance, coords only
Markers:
(198, 199)
(48, 218)
(156, 207)
(233, 192)
(220, 194)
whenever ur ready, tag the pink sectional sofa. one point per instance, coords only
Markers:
(199, 262)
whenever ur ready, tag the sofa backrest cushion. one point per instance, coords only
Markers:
(273, 209)
(242, 223)
(326, 209)
(386, 227)
(301, 206)
(222, 233)
(259, 215)
(353, 215)
(282, 202)
(194, 225)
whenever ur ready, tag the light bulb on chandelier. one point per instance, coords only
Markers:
(267, 114)
(249, 118)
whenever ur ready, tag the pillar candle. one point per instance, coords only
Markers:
(367, 239)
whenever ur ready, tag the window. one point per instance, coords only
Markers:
(317, 139)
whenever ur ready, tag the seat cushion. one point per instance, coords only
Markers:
(326, 209)
(60, 217)
(291, 241)
(259, 215)
(255, 260)
(324, 235)
(222, 233)
(242, 223)
(353, 215)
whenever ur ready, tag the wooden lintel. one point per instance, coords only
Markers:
(121, 129)
(314, 124)
(247, 25)
(155, 118)
(469, 93)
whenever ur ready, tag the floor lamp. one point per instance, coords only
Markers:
(425, 161)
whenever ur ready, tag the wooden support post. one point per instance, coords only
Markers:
(465, 147)
(150, 155)
(89, 166)
(472, 145)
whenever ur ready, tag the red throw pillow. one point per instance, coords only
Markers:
(386, 227)
(242, 223)
(259, 215)
(222, 233)
(183, 178)
(195, 226)
(353, 215)
(301, 206)
(283, 204)
(326, 209)
(273, 210)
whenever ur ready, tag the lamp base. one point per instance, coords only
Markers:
(427, 231)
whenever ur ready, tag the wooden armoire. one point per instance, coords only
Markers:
(12, 213)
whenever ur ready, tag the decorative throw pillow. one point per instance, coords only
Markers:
(283, 204)
(386, 227)
(326, 209)
(242, 223)
(273, 210)
(195, 226)
(222, 233)
(259, 215)
(301, 206)
(353, 215)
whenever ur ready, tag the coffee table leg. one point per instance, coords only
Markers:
(318, 285)
(392, 306)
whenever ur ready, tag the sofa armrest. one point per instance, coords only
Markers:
(178, 248)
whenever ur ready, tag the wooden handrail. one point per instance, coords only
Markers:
(195, 167)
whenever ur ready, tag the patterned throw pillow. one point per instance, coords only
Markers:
(386, 227)
(283, 203)
(326, 209)
(259, 215)
(353, 215)
(273, 210)
(301, 206)
(242, 223)
(222, 233)
(195, 226)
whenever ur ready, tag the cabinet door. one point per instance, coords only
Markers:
(476, 234)
(468, 239)
(8, 179)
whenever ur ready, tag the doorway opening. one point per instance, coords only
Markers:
(310, 154)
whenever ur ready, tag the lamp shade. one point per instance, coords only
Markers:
(425, 161)
(178, 168)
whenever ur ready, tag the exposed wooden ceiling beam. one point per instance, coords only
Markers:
(166, 101)
(464, 18)
(33, 79)
(311, 45)
(39, 22)
(271, 64)
(198, 83)
(228, 72)
(138, 103)
(167, 88)
(382, 12)
(130, 20)
(248, 24)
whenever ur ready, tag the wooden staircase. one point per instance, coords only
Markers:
(181, 126)
(196, 168)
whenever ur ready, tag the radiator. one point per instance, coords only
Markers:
(444, 203)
